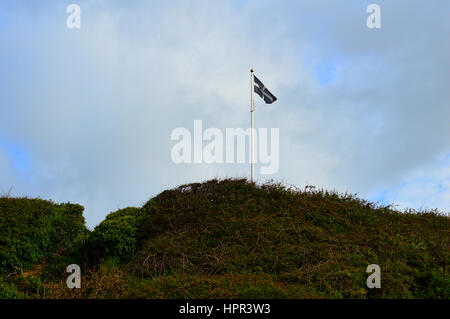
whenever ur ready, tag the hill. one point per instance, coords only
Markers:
(232, 238)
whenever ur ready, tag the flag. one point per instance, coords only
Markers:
(262, 91)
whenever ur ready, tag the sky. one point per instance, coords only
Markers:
(86, 114)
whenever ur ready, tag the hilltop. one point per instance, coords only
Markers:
(229, 239)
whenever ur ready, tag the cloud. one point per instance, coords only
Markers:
(358, 110)
(424, 188)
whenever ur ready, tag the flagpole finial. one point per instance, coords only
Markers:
(251, 70)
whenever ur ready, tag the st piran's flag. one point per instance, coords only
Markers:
(262, 91)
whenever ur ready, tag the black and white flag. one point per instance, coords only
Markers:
(262, 91)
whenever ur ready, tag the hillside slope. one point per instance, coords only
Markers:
(231, 238)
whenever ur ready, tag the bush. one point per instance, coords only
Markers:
(8, 291)
(117, 235)
(32, 229)
(316, 239)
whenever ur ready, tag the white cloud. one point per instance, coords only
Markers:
(424, 188)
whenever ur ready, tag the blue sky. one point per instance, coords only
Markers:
(86, 115)
(18, 155)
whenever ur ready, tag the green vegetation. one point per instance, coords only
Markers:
(227, 239)
(117, 235)
(32, 230)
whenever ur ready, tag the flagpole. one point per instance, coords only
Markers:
(253, 125)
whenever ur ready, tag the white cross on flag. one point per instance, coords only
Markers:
(262, 91)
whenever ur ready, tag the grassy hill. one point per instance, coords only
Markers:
(228, 239)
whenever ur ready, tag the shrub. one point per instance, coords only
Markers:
(117, 235)
(32, 229)
(8, 291)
